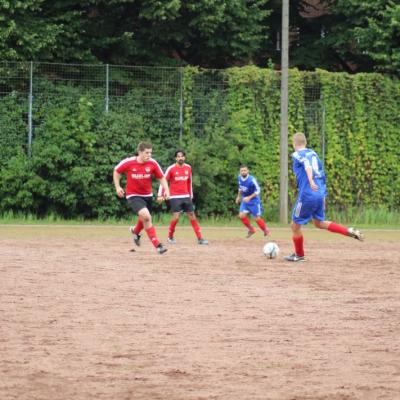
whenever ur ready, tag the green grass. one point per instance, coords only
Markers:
(364, 218)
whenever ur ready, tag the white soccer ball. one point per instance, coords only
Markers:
(271, 250)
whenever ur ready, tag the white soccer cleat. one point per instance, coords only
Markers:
(356, 234)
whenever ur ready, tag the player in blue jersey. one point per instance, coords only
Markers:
(310, 203)
(250, 203)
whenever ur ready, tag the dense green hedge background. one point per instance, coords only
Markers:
(76, 144)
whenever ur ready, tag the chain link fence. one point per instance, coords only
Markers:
(29, 89)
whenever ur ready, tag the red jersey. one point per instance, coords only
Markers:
(180, 181)
(139, 176)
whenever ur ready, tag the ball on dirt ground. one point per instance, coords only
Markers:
(271, 250)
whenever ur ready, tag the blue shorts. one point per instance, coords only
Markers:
(255, 209)
(304, 210)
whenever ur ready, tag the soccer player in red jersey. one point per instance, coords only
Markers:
(179, 176)
(139, 172)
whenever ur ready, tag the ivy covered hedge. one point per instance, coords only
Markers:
(229, 117)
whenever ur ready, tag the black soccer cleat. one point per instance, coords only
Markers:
(136, 239)
(161, 249)
(136, 236)
(202, 241)
(250, 233)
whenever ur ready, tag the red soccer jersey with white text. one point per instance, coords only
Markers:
(180, 181)
(139, 176)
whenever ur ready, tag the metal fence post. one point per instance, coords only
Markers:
(323, 128)
(181, 105)
(107, 87)
(30, 101)
(283, 192)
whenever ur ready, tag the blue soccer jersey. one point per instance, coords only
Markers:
(303, 159)
(309, 204)
(248, 186)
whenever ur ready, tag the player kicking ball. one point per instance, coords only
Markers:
(310, 203)
(250, 203)
(179, 176)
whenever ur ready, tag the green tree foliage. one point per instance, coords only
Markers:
(210, 33)
(349, 35)
(43, 30)
(367, 33)
(341, 35)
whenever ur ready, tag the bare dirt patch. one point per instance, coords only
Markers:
(82, 317)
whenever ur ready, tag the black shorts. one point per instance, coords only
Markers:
(139, 202)
(182, 204)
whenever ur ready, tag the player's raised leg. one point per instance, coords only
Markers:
(337, 228)
(135, 230)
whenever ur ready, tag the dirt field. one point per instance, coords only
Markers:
(82, 317)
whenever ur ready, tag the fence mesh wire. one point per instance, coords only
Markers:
(29, 89)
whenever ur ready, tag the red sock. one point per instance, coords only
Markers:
(138, 227)
(261, 223)
(246, 222)
(171, 229)
(196, 228)
(336, 228)
(151, 233)
(298, 245)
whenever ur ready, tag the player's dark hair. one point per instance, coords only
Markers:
(142, 146)
(243, 166)
(180, 151)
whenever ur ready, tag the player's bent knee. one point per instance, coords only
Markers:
(320, 224)
(145, 217)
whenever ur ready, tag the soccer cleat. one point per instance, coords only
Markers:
(171, 240)
(266, 232)
(161, 249)
(295, 258)
(136, 236)
(202, 241)
(136, 239)
(250, 233)
(356, 234)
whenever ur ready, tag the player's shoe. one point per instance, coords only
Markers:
(295, 258)
(171, 240)
(356, 234)
(250, 233)
(161, 249)
(136, 236)
(266, 232)
(202, 241)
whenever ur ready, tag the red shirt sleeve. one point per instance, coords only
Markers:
(157, 172)
(122, 166)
